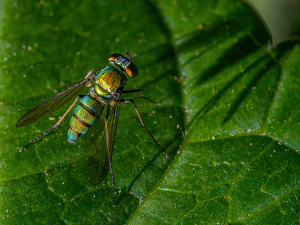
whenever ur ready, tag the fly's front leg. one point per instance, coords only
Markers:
(140, 118)
(52, 128)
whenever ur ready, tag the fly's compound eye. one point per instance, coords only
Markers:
(113, 56)
(132, 70)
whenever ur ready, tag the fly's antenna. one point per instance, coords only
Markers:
(148, 53)
(127, 54)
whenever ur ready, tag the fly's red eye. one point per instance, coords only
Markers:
(132, 70)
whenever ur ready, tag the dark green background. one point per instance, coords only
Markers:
(226, 111)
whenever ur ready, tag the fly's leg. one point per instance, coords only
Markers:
(52, 128)
(137, 90)
(109, 160)
(92, 72)
(140, 118)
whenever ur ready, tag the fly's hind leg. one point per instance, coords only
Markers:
(52, 128)
(140, 118)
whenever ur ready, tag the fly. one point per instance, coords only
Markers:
(100, 107)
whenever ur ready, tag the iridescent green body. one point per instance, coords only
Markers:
(108, 81)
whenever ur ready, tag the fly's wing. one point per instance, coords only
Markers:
(52, 104)
(97, 152)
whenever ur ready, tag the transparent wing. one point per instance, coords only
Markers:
(96, 152)
(52, 104)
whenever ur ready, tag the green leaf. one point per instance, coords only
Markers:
(225, 108)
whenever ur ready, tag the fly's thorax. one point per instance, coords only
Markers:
(109, 80)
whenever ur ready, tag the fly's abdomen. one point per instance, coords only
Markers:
(84, 116)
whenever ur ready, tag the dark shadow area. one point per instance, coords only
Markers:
(243, 94)
(243, 48)
(216, 98)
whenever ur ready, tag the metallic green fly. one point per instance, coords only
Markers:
(100, 107)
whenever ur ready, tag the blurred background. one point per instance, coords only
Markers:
(280, 16)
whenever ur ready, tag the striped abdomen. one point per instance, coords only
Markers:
(84, 116)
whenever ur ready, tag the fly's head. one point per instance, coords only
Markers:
(125, 64)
